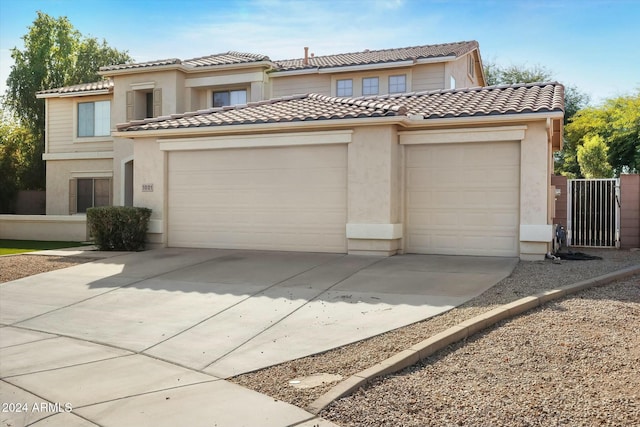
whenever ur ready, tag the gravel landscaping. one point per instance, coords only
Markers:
(13, 267)
(527, 278)
(571, 362)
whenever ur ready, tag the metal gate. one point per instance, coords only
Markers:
(593, 212)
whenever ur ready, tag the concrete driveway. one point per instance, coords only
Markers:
(131, 339)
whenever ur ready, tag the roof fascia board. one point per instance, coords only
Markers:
(436, 59)
(207, 68)
(74, 94)
(140, 70)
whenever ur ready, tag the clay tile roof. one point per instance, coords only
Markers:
(225, 58)
(204, 61)
(157, 63)
(84, 87)
(379, 56)
(484, 101)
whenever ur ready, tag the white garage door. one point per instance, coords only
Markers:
(285, 198)
(463, 199)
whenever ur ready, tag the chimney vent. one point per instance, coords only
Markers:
(306, 56)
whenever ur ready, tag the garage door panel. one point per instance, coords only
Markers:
(466, 203)
(285, 198)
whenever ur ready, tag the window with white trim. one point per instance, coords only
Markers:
(452, 82)
(398, 83)
(229, 97)
(344, 87)
(94, 119)
(370, 86)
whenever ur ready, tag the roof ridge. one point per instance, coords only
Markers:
(383, 50)
(167, 61)
(229, 52)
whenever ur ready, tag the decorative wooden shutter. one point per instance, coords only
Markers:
(157, 102)
(129, 105)
(73, 198)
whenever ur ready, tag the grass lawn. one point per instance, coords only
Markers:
(19, 246)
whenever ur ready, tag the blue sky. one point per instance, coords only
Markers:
(591, 44)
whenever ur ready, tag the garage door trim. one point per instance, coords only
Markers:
(257, 141)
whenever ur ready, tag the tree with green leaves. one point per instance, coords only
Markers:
(55, 55)
(592, 158)
(574, 100)
(17, 153)
(617, 123)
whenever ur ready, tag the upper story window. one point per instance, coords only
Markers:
(452, 82)
(144, 101)
(344, 87)
(370, 86)
(94, 118)
(229, 97)
(397, 83)
(471, 66)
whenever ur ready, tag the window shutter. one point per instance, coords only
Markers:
(157, 102)
(73, 200)
(129, 105)
(110, 192)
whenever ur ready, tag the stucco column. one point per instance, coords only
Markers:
(149, 190)
(373, 190)
(536, 233)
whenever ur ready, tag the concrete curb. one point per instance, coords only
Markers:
(459, 332)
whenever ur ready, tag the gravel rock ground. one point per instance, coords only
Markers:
(13, 267)
(527, 278)
(571, 362)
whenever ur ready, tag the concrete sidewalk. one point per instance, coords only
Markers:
(143, 338)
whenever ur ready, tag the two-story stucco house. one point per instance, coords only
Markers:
(388, 151)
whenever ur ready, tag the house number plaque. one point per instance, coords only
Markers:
(147, 188)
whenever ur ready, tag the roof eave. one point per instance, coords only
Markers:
(74, 94)
(251, 127)
(186, 69)
(239, 65)
(364, 67)
(138, 70)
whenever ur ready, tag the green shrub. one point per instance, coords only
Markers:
(118, 228)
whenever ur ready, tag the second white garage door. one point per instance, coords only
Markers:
(285, 198)
(463, 199)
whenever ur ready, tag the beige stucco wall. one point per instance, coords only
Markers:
(122, 152)
(44, 227)
(59, 172)
(536, 231)
(428, 77)
(150, 167)
(458, 69)
(171, 83)
(419, 78)
(373, 191)
(61, 127)
(308, 83)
